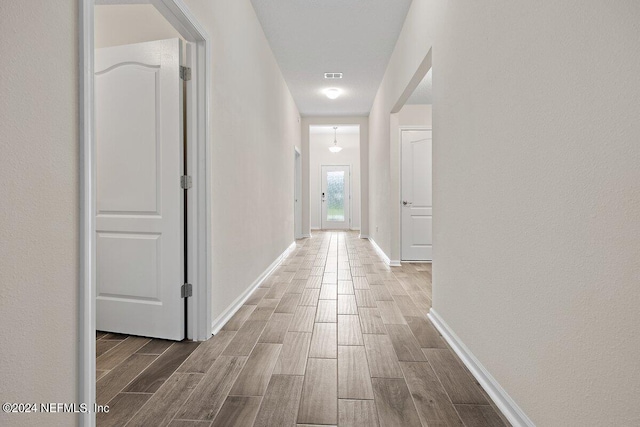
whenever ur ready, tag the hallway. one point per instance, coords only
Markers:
(332, 337)
(531, 203)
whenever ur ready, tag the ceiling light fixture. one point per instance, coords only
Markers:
(332, 93)
(334, 148)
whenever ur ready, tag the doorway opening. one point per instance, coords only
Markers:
(141, 249)
(411, 170)
(145, 177)
(334, 166)
(416, 208)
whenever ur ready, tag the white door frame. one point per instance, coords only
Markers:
(399, 201)
(297, 194)
(199, 158)
(350, 197)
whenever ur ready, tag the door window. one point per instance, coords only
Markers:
(335, 196)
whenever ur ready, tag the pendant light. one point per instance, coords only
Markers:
(334, 148)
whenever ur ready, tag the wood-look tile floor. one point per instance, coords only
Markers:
(332, 337)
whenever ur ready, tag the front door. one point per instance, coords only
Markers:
(416, 196)
(139, 206)
(336, 198)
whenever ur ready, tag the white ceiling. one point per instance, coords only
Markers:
(342, 129)
(422, 93)
(311, 37)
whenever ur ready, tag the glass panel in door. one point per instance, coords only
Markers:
(335, 196)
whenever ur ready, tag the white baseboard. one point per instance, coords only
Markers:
(220, 321)
(363, 236)
(503, 401)
(380, 251)
(395, 263)
(354, 229)
(306, 235)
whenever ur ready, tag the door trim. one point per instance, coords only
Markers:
(399, 201)
(297, 194)
(350, 197)
(199, 152)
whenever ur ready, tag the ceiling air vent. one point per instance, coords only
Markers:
(332, 75)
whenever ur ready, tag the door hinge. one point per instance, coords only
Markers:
(186, 290)
(185, 73)
(186, 182)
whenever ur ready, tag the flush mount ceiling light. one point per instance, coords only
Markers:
(332, 93)
(334, 148)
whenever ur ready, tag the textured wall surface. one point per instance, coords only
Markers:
(254, 126)
(411, 49)
(537, 201)
(38, 207)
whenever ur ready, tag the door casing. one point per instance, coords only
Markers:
(297, 194)
(199, 264)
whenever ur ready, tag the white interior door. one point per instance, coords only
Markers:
(139, 214)
(417, 235)
(336, 197)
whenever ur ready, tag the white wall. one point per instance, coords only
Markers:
(254, 125)
(403, 74)
(537, 201)
(117, 25)
(363, 122)
(412, 116)
(320, 155)
(39, 207)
